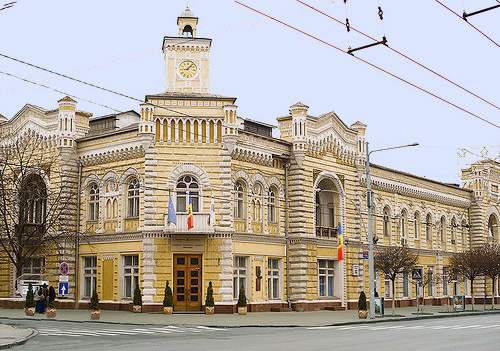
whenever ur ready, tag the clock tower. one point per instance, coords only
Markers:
(187, 58)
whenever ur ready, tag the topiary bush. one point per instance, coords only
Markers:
(30, 297)
(137, 296)
(209, 302)
(362, 302)
(168, 300)
(242, 300)
(94, 301)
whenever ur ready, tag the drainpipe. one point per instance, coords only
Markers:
(287, 239)
(77, 237)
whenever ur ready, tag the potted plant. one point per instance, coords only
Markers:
(95, 312)
(137, 307)
(362, 311)
(168, 300)
(51, 308)
(209, 302)
(29, 304)
(242, 302)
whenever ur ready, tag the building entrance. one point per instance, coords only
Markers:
(187, 283)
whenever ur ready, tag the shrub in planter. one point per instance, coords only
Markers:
(51, 310)
(209, 302)
(137, 308)
(242, 302)
(362, 311)
(29, 304)
(168, 300)
(95, 312)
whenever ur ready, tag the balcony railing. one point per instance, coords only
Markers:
(326, 232)
(201, 224)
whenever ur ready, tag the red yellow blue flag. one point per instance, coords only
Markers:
(340, 250)
(190, 213)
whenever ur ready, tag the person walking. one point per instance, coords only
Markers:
(40, 300)
(51, 296)
(43, 295)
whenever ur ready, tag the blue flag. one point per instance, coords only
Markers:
(171, 212)
(340, 229)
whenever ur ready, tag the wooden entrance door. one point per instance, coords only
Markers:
(187, 282)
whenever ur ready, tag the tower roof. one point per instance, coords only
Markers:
(187, 12)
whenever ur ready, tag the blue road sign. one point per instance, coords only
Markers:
(365, 255)
(63, 288)
(416, 274)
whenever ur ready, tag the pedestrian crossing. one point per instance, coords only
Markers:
(124, 332)
(376, 327)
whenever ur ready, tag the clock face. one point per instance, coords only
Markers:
(187, 69)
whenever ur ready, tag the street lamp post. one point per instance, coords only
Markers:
(369, 203)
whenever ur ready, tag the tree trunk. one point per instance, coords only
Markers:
(423, 298)
(448, 302)
(393, 297)
(472, 292)
(492, 293)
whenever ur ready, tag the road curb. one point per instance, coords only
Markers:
(19, 341)
(381, 320)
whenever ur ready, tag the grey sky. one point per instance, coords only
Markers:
(268, 67)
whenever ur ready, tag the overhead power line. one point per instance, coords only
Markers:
(368, 63)
(399, 53)
(57, 91)
(470, 24)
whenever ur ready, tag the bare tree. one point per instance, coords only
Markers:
(468, 265)
(491, 266)
(36, 203)
(428, 278)
(448, 278)
(392, 261)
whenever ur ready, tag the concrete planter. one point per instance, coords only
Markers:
(362, 314)
(51, 312)
(30, 311)
(242, 310)
(95, 315)
(209, 309)
(167, 309)
(137, 308)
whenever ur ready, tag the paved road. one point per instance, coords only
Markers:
(465, 333)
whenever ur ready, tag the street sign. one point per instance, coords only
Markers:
(365, 255)
(63, 278)
(416, 274)
(355, 269)
(64, 268)
(63, 288)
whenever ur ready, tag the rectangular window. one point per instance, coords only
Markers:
(405, 285)
(326, 274)
(130, 275)
(89, 276)
(387, 287)
(240, 276)
(430, 286)
(35, 265)
(445, 281)
(273, 278)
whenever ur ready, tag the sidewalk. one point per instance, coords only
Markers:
(10, 336)
(258, 319)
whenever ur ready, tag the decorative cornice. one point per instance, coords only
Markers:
(112, 156)
(259, 238)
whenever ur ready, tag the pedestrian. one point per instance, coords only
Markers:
(44, 293)
(51, 297)
(40, 300)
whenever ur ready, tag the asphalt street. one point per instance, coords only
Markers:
(463, 333)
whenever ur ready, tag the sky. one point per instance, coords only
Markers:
(269, 67)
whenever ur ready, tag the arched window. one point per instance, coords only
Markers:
(94, 203)
(327, 208)
(239, 200)
(464, 233)
(493, 228)
(416, 217)
(453, 231)
(271, 205)
(404, 224)
(442, 229)
(109, 209)
(33, 200)
(428, 225)
(133, 198)
(187, 186)
(387, 222)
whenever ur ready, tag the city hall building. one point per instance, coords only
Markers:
(277, 203)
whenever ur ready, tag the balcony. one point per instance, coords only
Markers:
(201, 222)
(326, 232)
